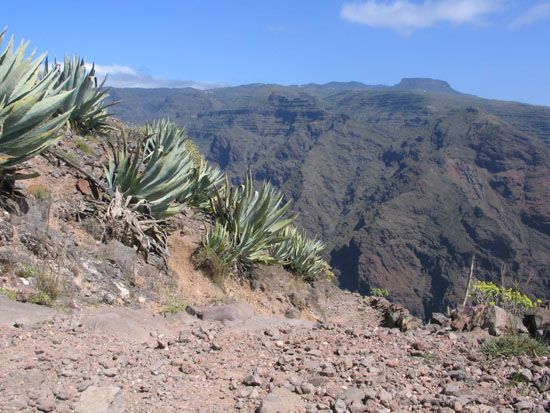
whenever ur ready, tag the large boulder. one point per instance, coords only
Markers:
(395, 315)
(537, 321)
(498, 321)
(493, 318)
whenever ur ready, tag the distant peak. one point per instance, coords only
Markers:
(425, 84)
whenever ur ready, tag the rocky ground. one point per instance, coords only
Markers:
(116, 359)
(115, 335)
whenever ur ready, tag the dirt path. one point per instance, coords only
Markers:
(114, 359)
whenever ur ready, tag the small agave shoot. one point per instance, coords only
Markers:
(88, 100)
(32, 109)
(248, 224)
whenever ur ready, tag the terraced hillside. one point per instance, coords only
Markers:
(404, 183)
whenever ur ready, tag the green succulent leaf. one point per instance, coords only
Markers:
(253, 219)
(88, 100)
(32, 107)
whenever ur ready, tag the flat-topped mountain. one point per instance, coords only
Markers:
(405, 184)
(420, 84)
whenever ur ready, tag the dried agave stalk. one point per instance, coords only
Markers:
(127, 222)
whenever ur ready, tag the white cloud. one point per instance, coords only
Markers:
(532, 15)
(124, 76)
(405, 16)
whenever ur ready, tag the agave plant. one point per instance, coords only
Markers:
(158, 177)
(301, 254)
(254, 220)
(28, 105)
(90, 109)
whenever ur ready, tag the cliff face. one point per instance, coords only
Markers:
(404, 186)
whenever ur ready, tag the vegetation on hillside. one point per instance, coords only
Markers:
(402, 185)
(152, 173)
(512, 299)
(515, 345)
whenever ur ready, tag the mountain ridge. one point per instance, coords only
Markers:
(405, 186)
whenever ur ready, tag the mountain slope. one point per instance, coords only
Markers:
(405, 184)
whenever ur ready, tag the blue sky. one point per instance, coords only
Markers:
(491, 48)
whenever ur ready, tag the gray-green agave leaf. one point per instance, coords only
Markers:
(255, 220)
(32, 108)
(89, 99)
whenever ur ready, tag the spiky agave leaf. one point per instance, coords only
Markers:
(90, 109)
(159, 177)
(166, 133)
(218, 240)
(206, 180)
(254, 219)
(301, 254)
(27, 105)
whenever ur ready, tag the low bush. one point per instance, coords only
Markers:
(48, 286)
(216, 257)
(39, 192)
(83, 146)
(512, 299)
(9, 294)
(515, 345)
(26, 271)
(173, 305)
(41, 298)
(379, 292)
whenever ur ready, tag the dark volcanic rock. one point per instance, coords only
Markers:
(404, 184)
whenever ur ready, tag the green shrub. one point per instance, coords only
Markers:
(173, 305)
(83, 146)
(39, 192)
(41, 298)
(379, 292)
(9, 294)
(48, 287)
(26, 271)
(512, 299)
(27, 106)
(216, 256)
(514, 345)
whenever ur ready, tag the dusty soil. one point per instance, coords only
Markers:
(132, 360)
(118, 339)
